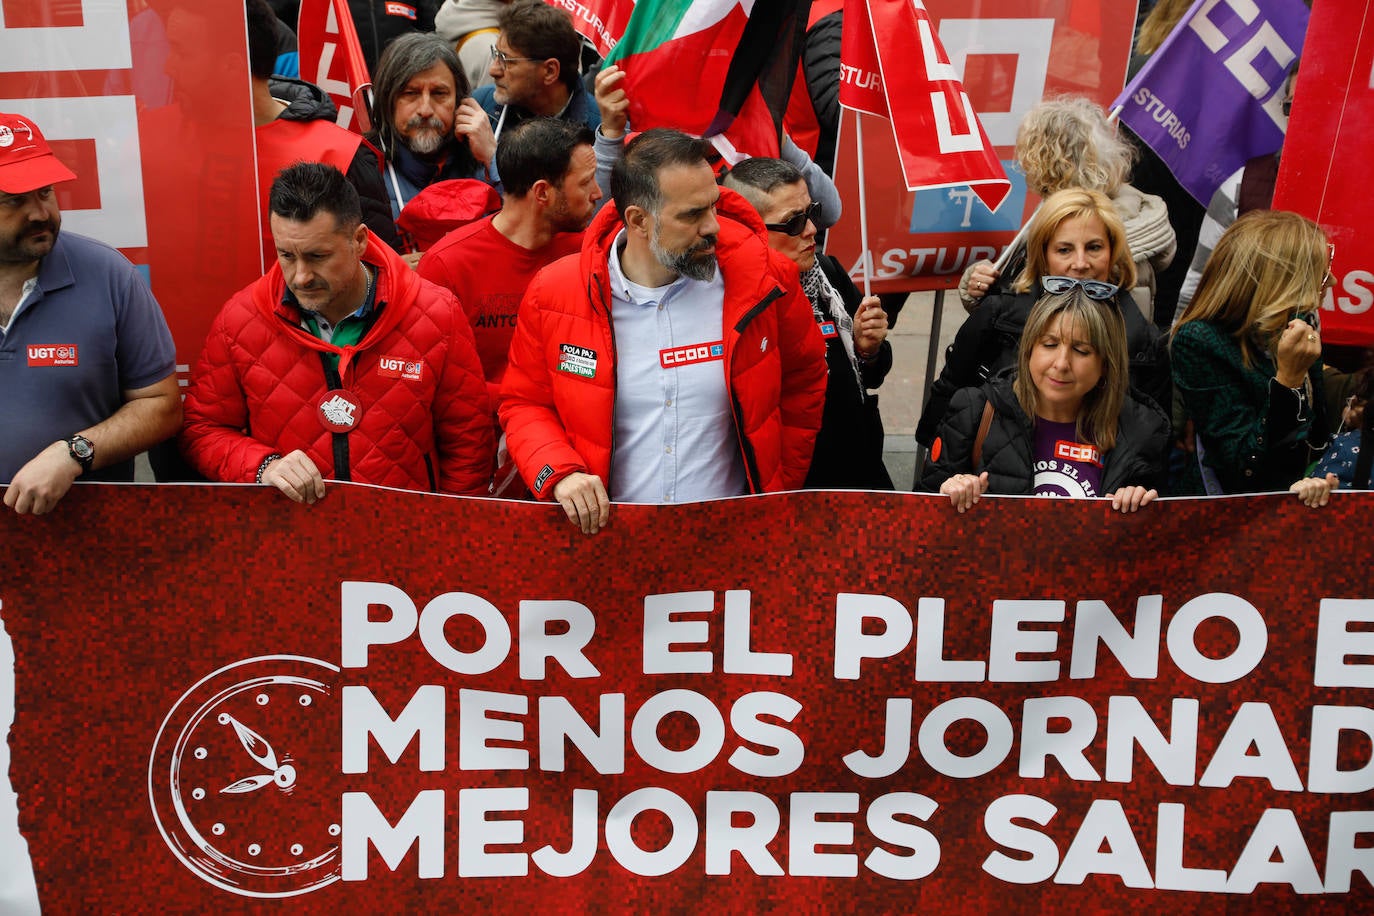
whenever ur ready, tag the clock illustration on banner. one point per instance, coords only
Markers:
(244, 777)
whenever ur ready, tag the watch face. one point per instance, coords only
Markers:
(82, 448)
(242, 783)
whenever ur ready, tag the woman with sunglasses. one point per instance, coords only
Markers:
(849, 447)
(1068, 142)
(1063, 422)
(1247, 358)
(1075, 235)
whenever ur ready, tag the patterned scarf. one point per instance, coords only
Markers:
(827, 306)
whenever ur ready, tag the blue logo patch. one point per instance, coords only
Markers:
(958, 209)
(718, 349)
(828, 329)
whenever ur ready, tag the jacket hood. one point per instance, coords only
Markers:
(304, 101)
(1146, 218)
(397, 288)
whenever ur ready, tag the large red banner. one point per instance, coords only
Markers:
(848, 702)
(1320, 172)
(1009, 54)
(149, 104)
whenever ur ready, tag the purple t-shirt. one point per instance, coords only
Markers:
(1063, 465)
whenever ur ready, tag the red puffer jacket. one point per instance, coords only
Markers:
(423, 421)
(558, 422)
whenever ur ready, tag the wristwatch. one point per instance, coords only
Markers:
(82, 451)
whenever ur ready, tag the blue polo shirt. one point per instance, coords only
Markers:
(88, 331)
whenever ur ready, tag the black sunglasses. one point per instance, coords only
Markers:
(1093, 289)
(797, 224)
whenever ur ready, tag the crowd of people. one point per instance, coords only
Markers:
(502, 289)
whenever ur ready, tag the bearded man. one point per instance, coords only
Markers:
(713, 382)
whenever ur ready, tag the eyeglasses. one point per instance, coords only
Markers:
(796, 225)
(1093, 289)
(500, 57)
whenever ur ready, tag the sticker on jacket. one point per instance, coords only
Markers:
(400, 9)
(577, 360)
(828, 329)
(673, 357)
(544, 474)
(412, 370)
(52, 355)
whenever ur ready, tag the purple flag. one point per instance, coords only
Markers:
(1211, 97)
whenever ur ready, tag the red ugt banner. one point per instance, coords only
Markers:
(393, 702)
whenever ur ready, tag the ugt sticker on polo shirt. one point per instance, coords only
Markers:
(676, 357)
(412, 370)
(577, 360)
(52, 355)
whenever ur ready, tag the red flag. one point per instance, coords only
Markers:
(893, 65)
(715, 68)
(601, 22)
(332, 58)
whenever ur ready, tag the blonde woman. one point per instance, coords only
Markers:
(1247, 357)
(1076, 234)
(1067, 143)
(1064, 422)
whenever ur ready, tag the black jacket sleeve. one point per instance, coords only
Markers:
(365, 174)
(963, 359)
(821, 67)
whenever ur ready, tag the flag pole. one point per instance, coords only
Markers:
(863, 203)
(1020, 237)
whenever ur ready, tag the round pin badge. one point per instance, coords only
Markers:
(339, 411)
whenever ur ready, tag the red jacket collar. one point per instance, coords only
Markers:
(397, 288)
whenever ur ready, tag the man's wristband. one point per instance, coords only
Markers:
(262, 468)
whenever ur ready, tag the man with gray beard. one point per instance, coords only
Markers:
(424, 121)
(713, 382)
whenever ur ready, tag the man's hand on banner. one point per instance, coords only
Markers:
(583, 497)
(296, 476)
(613, 102)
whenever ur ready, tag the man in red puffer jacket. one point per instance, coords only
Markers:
(674, 359)
(339, 364)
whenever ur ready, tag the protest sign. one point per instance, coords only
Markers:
(399, 702)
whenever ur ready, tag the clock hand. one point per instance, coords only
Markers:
(256, 745)
(248, 785)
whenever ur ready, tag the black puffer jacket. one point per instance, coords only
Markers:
(849, 447)
(988, 341)
(1137, 459)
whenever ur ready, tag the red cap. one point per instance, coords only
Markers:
(26, 160)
